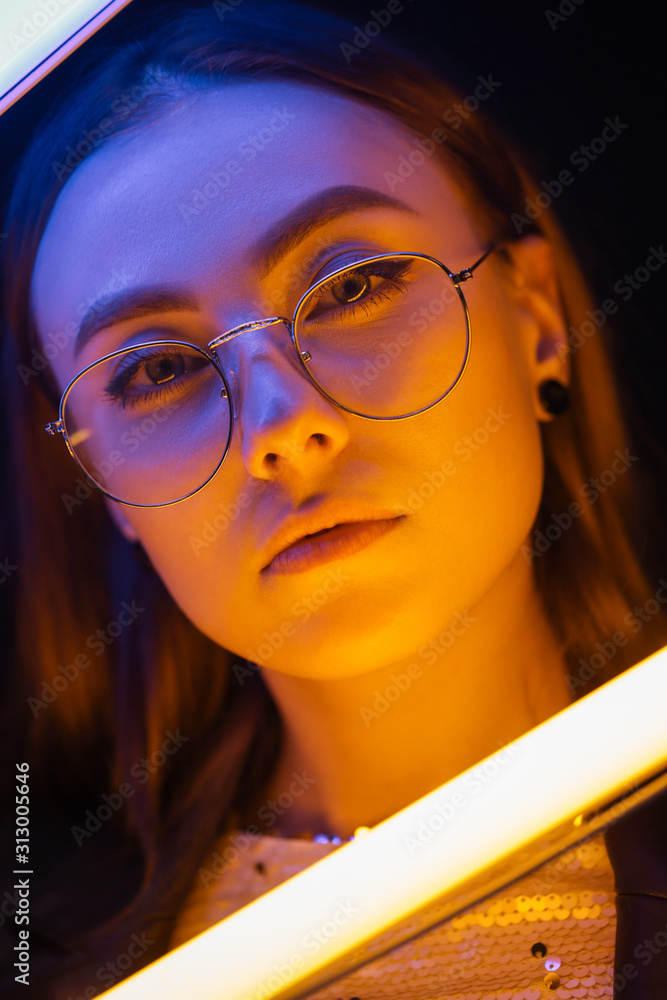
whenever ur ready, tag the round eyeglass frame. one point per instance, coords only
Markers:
(457, 277)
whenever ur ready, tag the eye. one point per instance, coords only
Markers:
(144, 375)
(350, 288)
(358, 291)
(163, 367)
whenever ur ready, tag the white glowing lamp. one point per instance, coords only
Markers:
(36, 35)
(552, 787)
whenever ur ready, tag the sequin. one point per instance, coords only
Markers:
(481, 954)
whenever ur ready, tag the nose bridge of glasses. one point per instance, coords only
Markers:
(257, 324)
(254, 352)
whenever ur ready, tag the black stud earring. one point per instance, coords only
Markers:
(554, 396)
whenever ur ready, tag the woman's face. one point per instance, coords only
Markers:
(211, 202)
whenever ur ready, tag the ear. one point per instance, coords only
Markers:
(118, 517)
(535, 288)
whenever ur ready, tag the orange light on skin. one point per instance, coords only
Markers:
(295, 937)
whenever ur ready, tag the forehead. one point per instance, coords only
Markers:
(185, 199)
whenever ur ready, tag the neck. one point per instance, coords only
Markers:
(367, 746)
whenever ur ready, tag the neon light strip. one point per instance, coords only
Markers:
(548, 780)
(35, 38)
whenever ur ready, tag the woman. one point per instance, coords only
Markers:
(330, 494)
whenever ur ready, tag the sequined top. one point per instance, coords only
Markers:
(550, 934)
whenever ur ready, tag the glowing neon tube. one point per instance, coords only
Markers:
(491, 824)
(34, 38)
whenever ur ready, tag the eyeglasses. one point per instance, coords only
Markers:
(383, 338)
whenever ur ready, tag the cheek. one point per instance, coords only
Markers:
(195, 548)
(481, 489)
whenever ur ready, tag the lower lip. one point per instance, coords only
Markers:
(335, 543)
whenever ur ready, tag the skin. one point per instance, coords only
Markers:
(459, 553)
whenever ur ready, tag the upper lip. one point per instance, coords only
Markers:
(296, 526)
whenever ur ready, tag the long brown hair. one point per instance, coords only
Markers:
(75, 570)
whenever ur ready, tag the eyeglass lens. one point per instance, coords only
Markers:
(149, 426)
(386, 338)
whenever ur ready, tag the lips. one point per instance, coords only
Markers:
(337, 542)
(300, 546)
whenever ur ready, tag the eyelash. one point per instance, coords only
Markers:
(391, 270)
(115, 389)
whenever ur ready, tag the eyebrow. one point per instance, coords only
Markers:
(279, 240)
(131, 304)
(322, 208)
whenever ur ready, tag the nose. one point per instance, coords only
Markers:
(285, 425)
